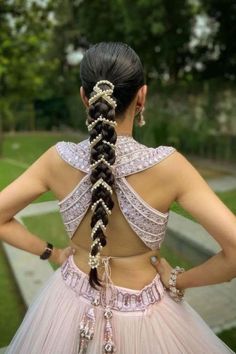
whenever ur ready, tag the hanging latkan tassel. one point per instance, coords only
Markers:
(87, 326)
(108, 345)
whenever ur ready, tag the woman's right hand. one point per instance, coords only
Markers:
(59, 255)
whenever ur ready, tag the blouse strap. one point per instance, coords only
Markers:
(141, 159)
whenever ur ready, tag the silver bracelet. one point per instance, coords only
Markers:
(175, 293)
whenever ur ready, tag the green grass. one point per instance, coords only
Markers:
(229, 337)
(229, 198)
(12, 307)
(9, 173)
(27, 147)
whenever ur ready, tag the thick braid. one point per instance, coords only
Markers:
(101, 125)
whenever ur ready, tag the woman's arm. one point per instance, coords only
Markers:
(21, 192)
(195, 196)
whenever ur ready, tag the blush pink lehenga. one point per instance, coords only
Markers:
(68, 316)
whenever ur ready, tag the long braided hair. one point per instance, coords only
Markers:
(111, 74)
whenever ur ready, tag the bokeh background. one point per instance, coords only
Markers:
(188, 50)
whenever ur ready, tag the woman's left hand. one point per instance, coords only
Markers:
(163, 268)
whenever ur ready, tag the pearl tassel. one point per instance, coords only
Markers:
(108, 344)
(87, 326)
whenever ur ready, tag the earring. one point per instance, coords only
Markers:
(141, 120)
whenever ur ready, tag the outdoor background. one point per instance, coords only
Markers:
(188, 50)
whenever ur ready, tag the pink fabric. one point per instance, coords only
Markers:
(51, 324)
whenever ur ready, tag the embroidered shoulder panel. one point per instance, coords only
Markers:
(131, 156)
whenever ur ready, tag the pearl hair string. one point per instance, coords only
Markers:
(101, 119)
(94, 261)
(105, 94)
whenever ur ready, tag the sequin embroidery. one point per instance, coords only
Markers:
(131, 157)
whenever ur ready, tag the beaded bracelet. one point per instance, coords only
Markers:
(175, 293)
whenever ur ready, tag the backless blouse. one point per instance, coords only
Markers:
(131, 157)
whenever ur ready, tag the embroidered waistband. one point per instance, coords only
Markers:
(119, 298)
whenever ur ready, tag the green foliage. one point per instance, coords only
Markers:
(24, 69)
(224, 13)
(158, 30)
(190, 118)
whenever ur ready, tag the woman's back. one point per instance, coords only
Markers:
(142, 197)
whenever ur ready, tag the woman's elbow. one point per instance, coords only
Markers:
(230, 257)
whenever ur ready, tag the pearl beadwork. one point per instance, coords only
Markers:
(102, 159)
(103, 183)
(105, 94)
(95, 242)
(110, 144)
(94, 261)
(175, 293)
(104, 205)
(100, 119)
(96, 226)
(96, 140)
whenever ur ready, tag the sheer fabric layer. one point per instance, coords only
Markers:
(51, 324)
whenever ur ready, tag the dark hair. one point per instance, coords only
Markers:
(118, 63)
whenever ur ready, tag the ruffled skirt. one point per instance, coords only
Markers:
(68, 316)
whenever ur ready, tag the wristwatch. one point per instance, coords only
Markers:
(48, 250)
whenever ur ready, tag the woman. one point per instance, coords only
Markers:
(114, 197)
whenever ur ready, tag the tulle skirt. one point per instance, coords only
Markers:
(68, 316)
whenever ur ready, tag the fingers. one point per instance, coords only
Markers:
(72, 250)
(69, 250)
(158, 263)
(154, 259)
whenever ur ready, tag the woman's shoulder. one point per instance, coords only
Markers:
(74, 154)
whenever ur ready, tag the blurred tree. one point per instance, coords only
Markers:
(224, 45)
(24, 34)
(212, 44)
(67, 46)
(159, 30)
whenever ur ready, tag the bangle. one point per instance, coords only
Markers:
(175, 293)
(47, 252)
